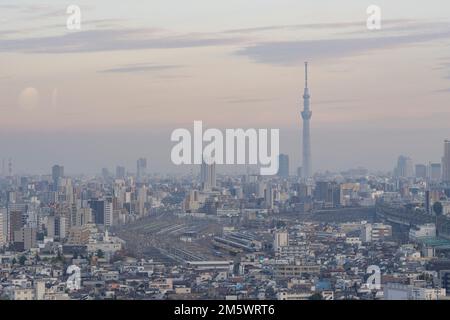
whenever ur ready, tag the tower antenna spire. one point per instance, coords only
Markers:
(306, 74)
(306, 115)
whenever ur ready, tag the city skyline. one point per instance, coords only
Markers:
(405, 167)
(224, 155)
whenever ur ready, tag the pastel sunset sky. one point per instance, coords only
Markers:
(113, 91)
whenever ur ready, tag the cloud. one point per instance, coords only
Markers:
(443, 65)
(35, 11)
(246, 100)
(113, 39)
(104, 23)
(105, 38)
(294, 52)
(401, 26)
(336, 101)
(314, 26)
(140, 67)
(442, 91)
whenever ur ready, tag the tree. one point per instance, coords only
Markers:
(22, 260)
(437, 208)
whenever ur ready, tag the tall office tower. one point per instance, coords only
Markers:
(331, 193)
(321, 190)
(84, 216)
(435, 172)
(73, 215)
(404, 167)
(428, 201)
(303, 191)
(269, 197)
(10, 167)
(120, 172)
(283, 169)
(61, 226)
(25, 239)
(16, 222)
(102, 211)
(50, 226)
(306, 115)
(3, 226)
(105, 173)
(141, 200)
(98, 211)
(191, 201)
(446, 162)
(421, 171)
(108, 213)
(141, 169)
(208, 175)
(57, 172)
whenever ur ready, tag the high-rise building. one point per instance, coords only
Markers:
(50, 226)
(57, 172)
(446, 162)
(25, 238)
(98, 211)
(304, 191)
(281, 239)
(192, 201)
(404, 168)
(330, 193)
(108, 213)
(3, 226)
(16, 218)
(435, 172)
(269, 196)
(61, 226)
(84, 216)
(120, 172)
(141, 168)
(444, 275)
(421, 171)
(102, 211)
(208, 175)
(105, 173)
(306, 115)
(10, 167)
(375, 232)
(283, 169)
(428, 201)
(141, 200)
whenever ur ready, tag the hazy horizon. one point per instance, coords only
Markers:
(114, 91)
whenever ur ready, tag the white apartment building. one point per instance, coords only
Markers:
(396, 291)
(375, 232)
(422, 231)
